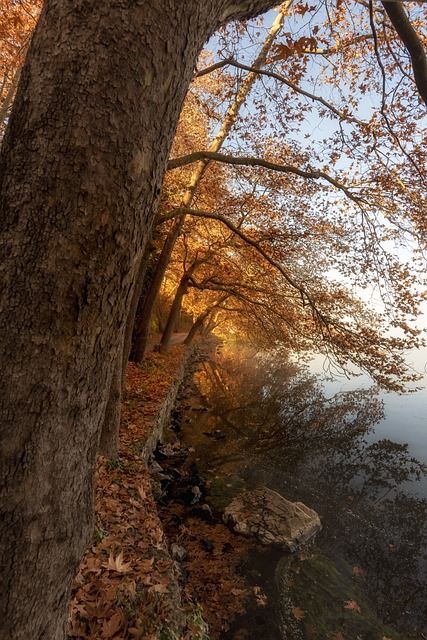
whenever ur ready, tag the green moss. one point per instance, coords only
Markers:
(331, 599)
(222, 491)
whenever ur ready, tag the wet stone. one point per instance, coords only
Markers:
(271, 519)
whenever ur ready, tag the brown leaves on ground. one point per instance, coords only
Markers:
(124, 574)
(212, 574)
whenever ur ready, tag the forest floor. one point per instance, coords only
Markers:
(128, 585)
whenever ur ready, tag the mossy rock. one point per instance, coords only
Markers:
(321, 600)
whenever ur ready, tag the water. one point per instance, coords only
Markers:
(358, 457)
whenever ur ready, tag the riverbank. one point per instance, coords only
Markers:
(162, 566)
(128, 585)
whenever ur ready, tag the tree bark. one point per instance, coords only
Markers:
(109, 440)
(412, 41)
(142, 325)
(198, 323)
(80, 172)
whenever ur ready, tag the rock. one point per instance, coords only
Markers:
(170, 450)
(215, 435)
(271, 519)
(178, 553)
(156, 488)
(154, 468)
(197, 495)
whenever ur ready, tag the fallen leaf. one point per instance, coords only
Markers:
(261, 600)
(117, 564)
(77, 629)
(353, 606)
(298, 613)
(112, 626)
(358, 571)
(160, 588)
(145, 566)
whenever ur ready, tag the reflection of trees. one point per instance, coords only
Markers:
(279, 408)
(377, 524)
(280, 425)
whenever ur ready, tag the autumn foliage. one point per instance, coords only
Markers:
(304, 229)
(17, 22)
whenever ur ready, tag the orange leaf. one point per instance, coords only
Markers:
(299, 614)
(353, 606)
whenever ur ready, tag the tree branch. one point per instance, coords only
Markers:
(406, 32)
(175, 163)
(277, 76)
(305, 296)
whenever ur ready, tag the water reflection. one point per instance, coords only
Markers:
(271, 423)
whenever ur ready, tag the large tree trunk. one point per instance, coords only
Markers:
(81, 170)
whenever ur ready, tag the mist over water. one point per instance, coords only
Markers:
(355, 454)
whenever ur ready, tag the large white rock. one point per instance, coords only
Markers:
(271, 519)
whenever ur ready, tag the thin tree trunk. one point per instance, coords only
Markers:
(81, 169)
(9, 97)
(143, 328)
(176, 306)
(198, 323)
(174, 314)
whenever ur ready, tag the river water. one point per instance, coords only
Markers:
(356, 456)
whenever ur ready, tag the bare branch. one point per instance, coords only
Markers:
(213, 67)
(277, 76)
(305, 296)
(383, 99)
(175, 163)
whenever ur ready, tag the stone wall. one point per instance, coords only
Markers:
(162, 420)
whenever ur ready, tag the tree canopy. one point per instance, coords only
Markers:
(321, 179)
